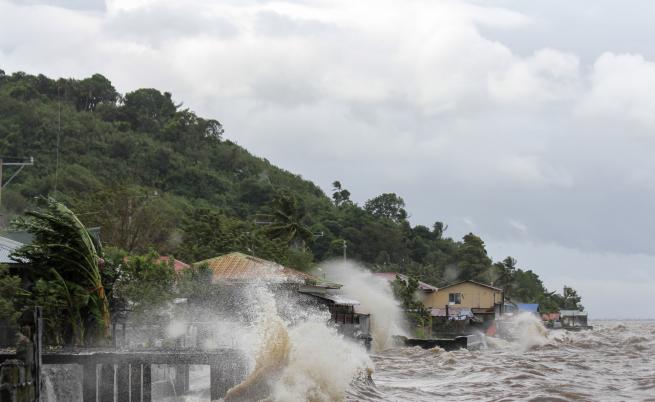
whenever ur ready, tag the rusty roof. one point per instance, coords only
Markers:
(245, 268)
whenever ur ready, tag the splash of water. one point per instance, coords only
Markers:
(272, 355)
(523, 331)
(376, 298)
(308, 361)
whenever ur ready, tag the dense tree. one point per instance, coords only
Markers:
(11, 296)
(208, 233)
(131, 218)
(504, 274)
(571, 300)
(339, 195)
(387, 205)
(146, 283)
(90, 92)
(472, 259)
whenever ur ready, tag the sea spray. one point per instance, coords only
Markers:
(298, 357)
(376, 298)
(530, 331)
(524, 331)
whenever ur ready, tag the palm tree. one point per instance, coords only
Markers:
(287, 223)
(64, 251)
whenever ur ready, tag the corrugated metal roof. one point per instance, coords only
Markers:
(245, 268)
(336, 299)
(8, 246)
(474, 282)
(568, 313)
(391, 276)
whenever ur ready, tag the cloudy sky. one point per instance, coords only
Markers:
(531, 123)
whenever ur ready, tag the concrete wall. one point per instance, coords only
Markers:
(473, 296)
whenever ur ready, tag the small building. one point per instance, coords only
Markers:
(471, 294)
(574, 319)
(484, 301)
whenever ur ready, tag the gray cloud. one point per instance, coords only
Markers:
(486, 118)
(270, 23)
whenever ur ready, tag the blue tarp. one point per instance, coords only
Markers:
(528, 307)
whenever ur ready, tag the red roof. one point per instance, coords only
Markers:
(177, 264)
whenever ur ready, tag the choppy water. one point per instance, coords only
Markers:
(614, 361)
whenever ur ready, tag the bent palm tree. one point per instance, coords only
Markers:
(64, 250)
(287, 221)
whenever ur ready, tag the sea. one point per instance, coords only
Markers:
(613, 362)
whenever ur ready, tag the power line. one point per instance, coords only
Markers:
(21, 166)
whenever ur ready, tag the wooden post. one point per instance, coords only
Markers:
(38, 350)
(135, 382)
(89, 382)
(123, 382)
(146, 386)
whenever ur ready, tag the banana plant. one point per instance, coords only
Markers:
(64, 250)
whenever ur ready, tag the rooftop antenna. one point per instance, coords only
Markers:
(58, 137)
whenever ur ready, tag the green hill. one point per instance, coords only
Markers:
(155, 176)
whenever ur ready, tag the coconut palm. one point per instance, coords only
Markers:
(63, 250)
(287, 220)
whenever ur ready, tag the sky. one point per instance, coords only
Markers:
(529, 123)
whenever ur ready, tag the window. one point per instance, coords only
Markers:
(455, 298)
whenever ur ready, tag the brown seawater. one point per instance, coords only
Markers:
(613, 362)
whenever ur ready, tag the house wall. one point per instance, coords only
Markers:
(473, 296)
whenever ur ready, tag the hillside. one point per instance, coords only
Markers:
(155, 176)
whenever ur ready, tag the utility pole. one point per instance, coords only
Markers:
(21, 166)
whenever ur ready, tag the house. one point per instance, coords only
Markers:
(574, 320)
(424, 292)
(236, 269)
(484, 301)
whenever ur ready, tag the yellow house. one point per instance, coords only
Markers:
(466, 294)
